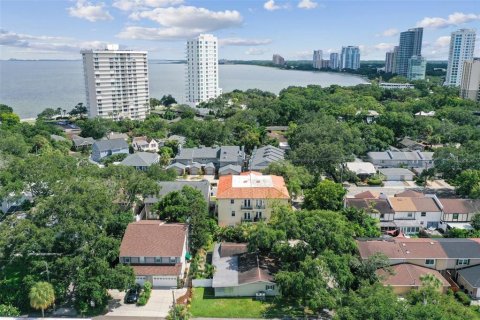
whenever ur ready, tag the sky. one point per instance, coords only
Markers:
(247, 29)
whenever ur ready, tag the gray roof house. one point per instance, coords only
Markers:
(219, 156)
(81, 142)
(239, 273)
(394, 159)
(105, 148)
(263, 156)
(141, 160)
(230, 169)
(179, 167)
(397, 174)
(469, 279)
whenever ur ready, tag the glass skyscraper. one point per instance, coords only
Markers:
(410, 45)
(462, 46)
(350, 58)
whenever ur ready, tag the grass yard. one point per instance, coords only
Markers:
(204, 304)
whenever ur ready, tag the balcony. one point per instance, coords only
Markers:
(246, 207)
(254, 219)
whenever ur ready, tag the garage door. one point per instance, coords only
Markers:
(140, 280)
(164, 281)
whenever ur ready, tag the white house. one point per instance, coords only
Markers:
(145, 144)
(242, 274)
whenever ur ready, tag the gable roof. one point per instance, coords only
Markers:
(406, 274)
(153, 238)
(263, 156)
(361, 167)
(81, 141)
(410, 194)
(252, 185)
(471, 275)
(232, 167)
(406, 204)
(367, 195)
(380, 205)
(460, 205)
(112, 144)
(169, 186)
(141, 159)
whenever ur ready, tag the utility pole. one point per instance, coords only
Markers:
(173, 306)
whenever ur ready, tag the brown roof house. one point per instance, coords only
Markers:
(156, 251)
(239, 273)
(405, 277)
(458, 213)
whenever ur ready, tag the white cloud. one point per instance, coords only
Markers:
(129, 5)
(243, 42)
(307, 4)
(181, 22)
(384, 46)
(87, 10)
(443, 41)
(453, 19)
(390, 32)
(270, 5)
(255, 51)
(46, 43)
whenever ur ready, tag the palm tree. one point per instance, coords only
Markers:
(41, 296)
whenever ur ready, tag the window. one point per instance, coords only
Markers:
(382, 215)
(232, 201)
(410, 215)
(463, 262)
(233, 213)
(158, 259)
(126, 260)
(455, 216)
(173, 259)
(429, 262)
(270, 287)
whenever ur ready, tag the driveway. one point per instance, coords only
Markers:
(157, 306)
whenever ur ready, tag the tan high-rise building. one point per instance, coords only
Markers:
(470, 85)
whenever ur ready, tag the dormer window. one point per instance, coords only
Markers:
(173, 259)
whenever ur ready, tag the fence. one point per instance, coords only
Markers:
(202, 283)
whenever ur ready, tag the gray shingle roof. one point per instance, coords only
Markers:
(176, 165)
(113, 144)
(472, 275)
(395, 171)
(81, 141)
(263, 156)
(140, 159)
(232, 167)
(460, 248)
(401, 155)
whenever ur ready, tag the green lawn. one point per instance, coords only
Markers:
(204, 304)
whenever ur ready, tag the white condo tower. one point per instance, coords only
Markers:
(202, 69)
(116, 83)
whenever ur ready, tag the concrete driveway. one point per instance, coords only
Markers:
(157, 306)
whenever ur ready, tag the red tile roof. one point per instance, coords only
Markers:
(153, 238)
(406, 274)
(226, 190)
(157, 270)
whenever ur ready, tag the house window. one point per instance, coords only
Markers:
(429, 262)
(173, 259)
(158, 259)
(232, 201)
(126, 260)
(270, 287)
(455, 216)
(424, 214)
(410, 215)
(463, 262)
(382, 215)
(233, 213)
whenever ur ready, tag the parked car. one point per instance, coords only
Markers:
(132, 295)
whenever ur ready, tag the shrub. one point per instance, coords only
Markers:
(375, 182)
(463, 298)
(145, 295)
(7, 310)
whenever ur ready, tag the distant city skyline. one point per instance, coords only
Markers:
(247, 30)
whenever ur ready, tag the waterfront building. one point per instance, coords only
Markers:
(410, 45)
(317, 59)
(462, 46)
(116, 83)
(334, 62)
(325, 64)
(278, 59)
(202, 69)
(350, 58)
(417, 67)
(470, 85)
